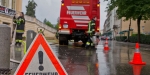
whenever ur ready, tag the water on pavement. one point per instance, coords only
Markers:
(81, 61)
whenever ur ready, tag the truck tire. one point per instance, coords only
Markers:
(63, 40)
(66, 42)
(60, 42)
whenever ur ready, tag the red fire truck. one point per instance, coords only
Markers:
(74, 18)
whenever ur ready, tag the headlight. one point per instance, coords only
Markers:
(65, 25)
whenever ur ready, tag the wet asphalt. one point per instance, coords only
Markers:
(115, 61)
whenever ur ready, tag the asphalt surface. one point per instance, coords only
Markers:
(80, 61)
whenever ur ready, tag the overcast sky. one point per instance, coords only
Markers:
(50, 9)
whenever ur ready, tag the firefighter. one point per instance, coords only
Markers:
(20, 22)
(91, 32)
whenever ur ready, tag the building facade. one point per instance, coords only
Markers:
(12, 4)
(109, 22)
(122, 26)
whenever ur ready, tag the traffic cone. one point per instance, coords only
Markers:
(137, 59)
(137, 69)
(106, 47)
(106, 42)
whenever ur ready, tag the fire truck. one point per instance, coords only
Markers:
(74, 18)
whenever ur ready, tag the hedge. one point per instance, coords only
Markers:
(121, 38)
(145, 39)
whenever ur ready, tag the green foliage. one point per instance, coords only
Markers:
(30, 8)
(56, 26)
(144, 39)
(131, 8)
(133, 39)
(134, 9)
(48, 23)
(45, 21)
(121, 38)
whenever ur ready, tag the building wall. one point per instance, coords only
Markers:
(12, 4)
(147, 27)
(34, 26)
(19, 5)
(125, 25)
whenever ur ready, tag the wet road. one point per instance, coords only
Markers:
(81, 61)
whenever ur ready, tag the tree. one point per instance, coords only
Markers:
(48, 23)
(134, 9)
(30, 8)
(45, 21)
(56, 26)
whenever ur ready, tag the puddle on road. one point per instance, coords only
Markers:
(80, 61)
(119, 57)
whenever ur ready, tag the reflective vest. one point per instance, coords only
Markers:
(91, 26)
(20, 21)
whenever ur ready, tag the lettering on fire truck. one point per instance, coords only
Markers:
(76, 12)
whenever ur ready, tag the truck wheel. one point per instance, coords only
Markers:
(63, 40)
(60, 42)
(66, 42)
(76, 40)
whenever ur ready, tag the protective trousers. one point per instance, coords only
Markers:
(89, 41)
(19, 37)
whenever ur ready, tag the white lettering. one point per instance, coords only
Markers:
(76, 12)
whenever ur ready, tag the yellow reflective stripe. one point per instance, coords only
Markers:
(93, 29)
(20, 31)
(87, 43)
(17, 40)
(21, 20)
(91, 44)
(89, 27)
(24, 46)
(20, 40)
(89, 31)
(93, 24)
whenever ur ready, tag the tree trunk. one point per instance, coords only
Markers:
(129, 29)
(138, 25)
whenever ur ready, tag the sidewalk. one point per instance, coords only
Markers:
(143, 45)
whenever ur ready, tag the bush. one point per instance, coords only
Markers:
(121, 38)
(145, 39)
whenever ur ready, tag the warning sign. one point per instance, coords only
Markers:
(40, 60)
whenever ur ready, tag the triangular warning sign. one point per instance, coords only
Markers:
(40, 60)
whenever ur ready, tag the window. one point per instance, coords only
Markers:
(13, 4)
(3, 2)
(6, 23)
(0, 2)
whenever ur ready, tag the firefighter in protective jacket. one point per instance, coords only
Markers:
(91, 32)
(20, 22)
